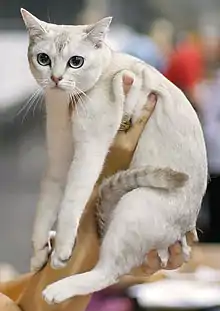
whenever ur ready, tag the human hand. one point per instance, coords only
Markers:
(176, 258)
(125, 142)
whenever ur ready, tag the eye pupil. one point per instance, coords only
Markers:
(76, 61)
(43, 59)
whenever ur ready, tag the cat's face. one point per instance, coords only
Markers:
(67, 58)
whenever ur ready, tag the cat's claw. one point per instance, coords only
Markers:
(186, 249)
(164, 257)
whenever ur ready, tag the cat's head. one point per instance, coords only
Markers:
(69, 58)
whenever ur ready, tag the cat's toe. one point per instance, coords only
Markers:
(49, 295)
(164, 257)
(59, 261)
(195, 236)
(39, 259)
(186, 249)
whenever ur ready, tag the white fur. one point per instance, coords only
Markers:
(144, 218)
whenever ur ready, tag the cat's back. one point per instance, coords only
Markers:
(121, 61)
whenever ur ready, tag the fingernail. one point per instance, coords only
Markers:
(128, 80)
(153, 97)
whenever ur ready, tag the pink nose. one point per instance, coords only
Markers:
(56, 79)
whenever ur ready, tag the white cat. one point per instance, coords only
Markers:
(72, 61)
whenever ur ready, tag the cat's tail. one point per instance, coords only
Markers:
(148, 176)
(113, 188)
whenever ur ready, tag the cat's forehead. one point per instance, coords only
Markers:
(61, 40)
(62, 36)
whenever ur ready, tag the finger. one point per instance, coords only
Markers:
(130, 138)
(148, 108)
(127, 83)
(146, 111)
(135, 131)
(149, 271)
(176, 258)
(190, 238)
(152, 263)
(175, 249)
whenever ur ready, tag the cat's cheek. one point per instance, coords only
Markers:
(40, 73)
(88, 79)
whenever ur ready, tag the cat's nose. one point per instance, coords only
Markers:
(56, 79)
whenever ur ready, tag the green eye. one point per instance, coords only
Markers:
(76, 62)
(43, 59)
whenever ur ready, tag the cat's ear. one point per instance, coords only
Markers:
(34, 26)
(97, 32)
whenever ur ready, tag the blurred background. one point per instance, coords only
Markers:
(181, 38)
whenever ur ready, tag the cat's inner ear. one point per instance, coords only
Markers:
(97, 32)
(34, 26)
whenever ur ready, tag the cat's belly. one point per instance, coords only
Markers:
(163, 146)
(156, 149)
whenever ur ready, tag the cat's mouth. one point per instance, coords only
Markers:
(58, 87)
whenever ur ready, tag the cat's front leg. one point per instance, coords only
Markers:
(82, 176)
(91, 147)
(59, 146)
(47, 210)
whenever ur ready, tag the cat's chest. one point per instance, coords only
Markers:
(95, 113)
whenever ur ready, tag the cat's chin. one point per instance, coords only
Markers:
(58, 89)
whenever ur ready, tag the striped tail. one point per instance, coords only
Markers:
(114, 187)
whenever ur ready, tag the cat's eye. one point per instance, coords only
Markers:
(43, 59)
(76, 61)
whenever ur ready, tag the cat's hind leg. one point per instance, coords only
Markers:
(186, 249)
(79, 284)
(136, 226)
(116, 258)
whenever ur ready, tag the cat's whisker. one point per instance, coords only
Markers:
(43, 82)
(41, 105)
(77, 109)
(80, 101)
(31, 103)
(37, 101)
(82, 92)
(27, 103)
(72, 103)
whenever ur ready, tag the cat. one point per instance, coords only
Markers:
(75, 61)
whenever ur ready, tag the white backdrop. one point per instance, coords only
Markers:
(16, 82)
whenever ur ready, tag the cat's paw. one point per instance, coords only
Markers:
(41, 256)
(63, 251)
(195, 235)
(59, 259)
(39, 259)
(186, 249)
(164, 257)
(57, 292)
